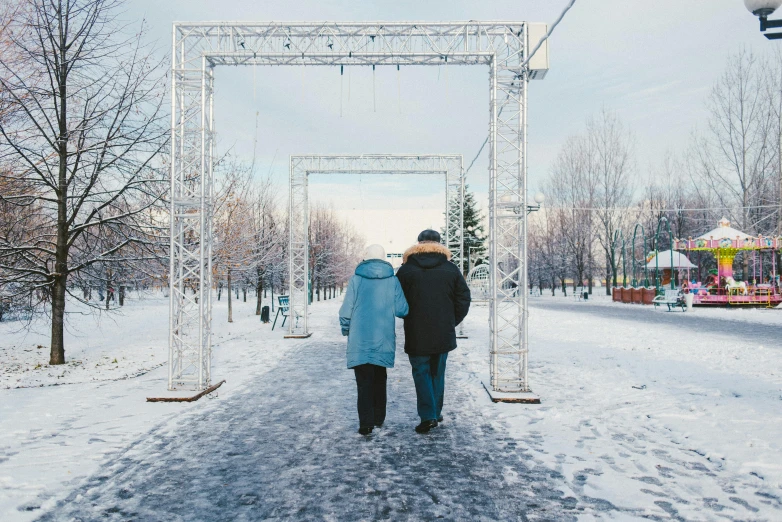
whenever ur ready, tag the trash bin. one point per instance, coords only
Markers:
(265, 314)
(688, 301)
(586, 295)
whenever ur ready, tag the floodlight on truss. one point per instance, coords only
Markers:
(198, 48)
(451, 166)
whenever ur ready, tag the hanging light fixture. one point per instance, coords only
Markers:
(763, 9)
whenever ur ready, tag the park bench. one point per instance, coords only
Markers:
(671, 298)
(283, 309)
(579, 293)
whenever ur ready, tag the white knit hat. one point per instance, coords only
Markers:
(375, 252)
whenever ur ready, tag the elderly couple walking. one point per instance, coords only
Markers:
(430, 293)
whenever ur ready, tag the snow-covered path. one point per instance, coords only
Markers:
(287, 448)
(645, 415)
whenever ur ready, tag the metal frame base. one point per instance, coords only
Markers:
(515, 397)
(297, 336)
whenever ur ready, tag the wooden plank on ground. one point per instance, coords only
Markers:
(187, 399)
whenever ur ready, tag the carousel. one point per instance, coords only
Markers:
(720, 288)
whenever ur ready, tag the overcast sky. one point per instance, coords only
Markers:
(652, 62)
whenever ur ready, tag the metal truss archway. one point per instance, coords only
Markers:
(449, 165)
(198, 48)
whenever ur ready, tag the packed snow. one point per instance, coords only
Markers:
(645, 414)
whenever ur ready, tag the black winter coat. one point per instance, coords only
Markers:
(438, 297)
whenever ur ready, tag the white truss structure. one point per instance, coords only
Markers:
(451, 166)
(198, 48)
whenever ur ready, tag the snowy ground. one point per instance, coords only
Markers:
(675, 413)
(645, 415)
(99, 346)
(54, 437)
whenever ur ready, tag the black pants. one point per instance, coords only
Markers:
(371, 384)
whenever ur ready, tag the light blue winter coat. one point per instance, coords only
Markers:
(373, 298)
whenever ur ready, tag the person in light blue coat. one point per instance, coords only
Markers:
(373, 299)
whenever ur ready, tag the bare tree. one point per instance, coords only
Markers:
(233, 219)
(335, 248)
(737, 153)
(611, 160)
(268, 238)
(572, 187)
(83, 142)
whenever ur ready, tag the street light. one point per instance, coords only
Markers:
(507, 202)
(763, 9)
(539, 198)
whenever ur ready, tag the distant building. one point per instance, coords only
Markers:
(394, 258)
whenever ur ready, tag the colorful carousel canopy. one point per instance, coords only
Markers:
(664, 260)
(724, 231)
(727, 239)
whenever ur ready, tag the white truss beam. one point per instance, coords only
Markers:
(199, 47)
(451, 166)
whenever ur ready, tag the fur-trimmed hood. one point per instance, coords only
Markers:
(426, 247)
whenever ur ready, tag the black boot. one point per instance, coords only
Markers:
(425, 426)
(365, 430)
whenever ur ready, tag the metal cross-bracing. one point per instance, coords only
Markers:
(450, 166)
(502, 47)
(190, 279)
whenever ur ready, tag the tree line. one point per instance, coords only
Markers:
(84, 175)
(597, 199)
(251, 241)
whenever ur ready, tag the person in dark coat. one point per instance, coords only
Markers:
(439, 299)
(367, 316)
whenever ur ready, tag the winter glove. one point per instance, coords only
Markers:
(345, 332)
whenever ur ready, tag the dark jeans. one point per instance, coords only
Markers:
(371, 384)
(429, 378)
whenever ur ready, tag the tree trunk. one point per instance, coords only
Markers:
(259, 291)
(57, 350)
(244, 293)
(610, 274)
(60, 276)
(109, 293)
(230, 310)
(122, 295)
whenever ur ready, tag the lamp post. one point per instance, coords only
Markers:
(515, 207)
(539, 198)
(763, 9)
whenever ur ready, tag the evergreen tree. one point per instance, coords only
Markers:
(474, 232)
